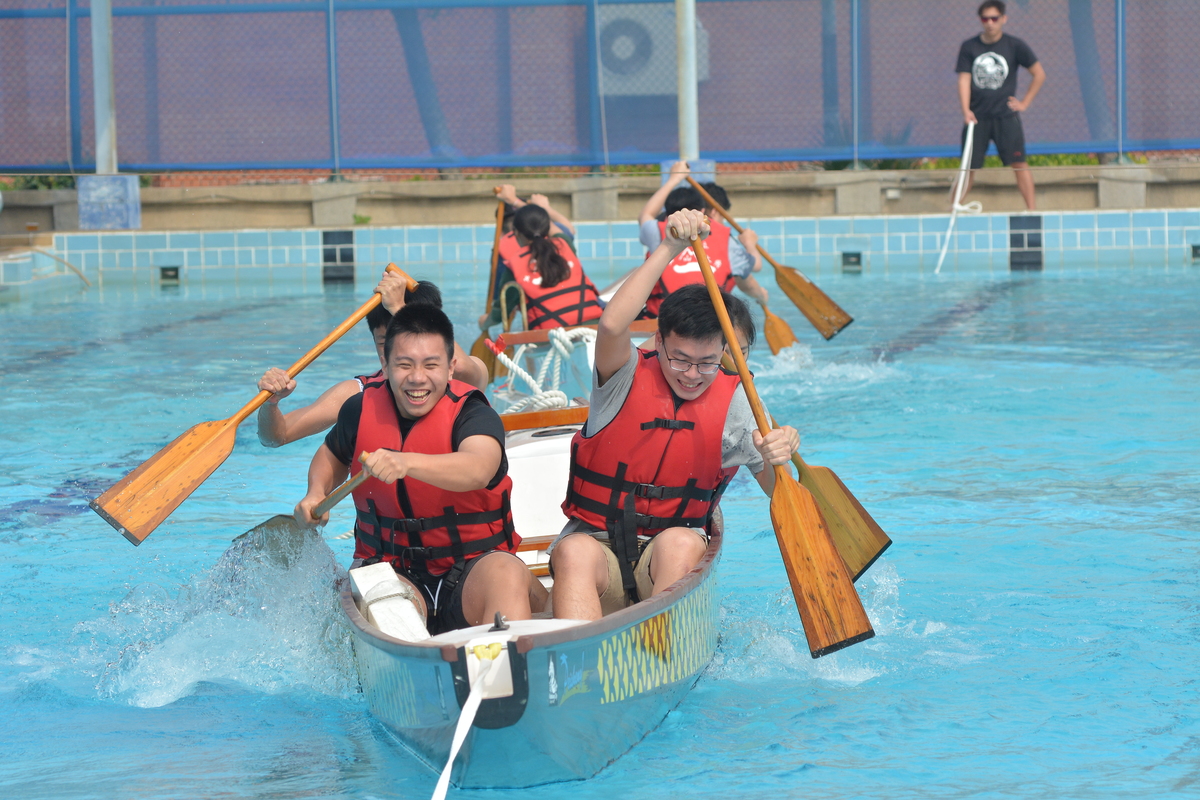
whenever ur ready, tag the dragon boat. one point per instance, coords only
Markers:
(562, 681)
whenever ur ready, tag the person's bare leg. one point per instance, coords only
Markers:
(676, 551)
(538, 595)
(580, 577)
(1024, 183)
(499, 582)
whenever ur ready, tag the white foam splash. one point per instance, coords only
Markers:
(795, 371)
(261, 618)
(769, 643)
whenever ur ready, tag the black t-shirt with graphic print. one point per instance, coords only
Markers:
(993, 71)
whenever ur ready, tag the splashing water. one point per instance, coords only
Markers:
(265, 617)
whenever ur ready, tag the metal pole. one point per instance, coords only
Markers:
(331, 55)
(689, 108)
(73, 103)
(854, 77)
(102, 87)
(1120, 37)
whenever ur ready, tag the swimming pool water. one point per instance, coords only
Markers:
(1029, 443)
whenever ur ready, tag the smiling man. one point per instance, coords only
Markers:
(664, 430)
(437, 504)
(987, 91)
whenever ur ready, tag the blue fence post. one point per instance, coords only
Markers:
(595, 129)
(1119, 10)
(331, 56)
(76, 154)
(855, 55)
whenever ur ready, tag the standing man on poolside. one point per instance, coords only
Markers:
(987, 92)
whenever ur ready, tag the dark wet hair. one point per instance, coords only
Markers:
(688, 313)
(509, 212)
(533, 223)
(426, 292)
(718, 193)
(419, 319)
(740, 316)
(996, 4)
(682, 198)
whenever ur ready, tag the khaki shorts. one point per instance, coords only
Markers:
(615, 597)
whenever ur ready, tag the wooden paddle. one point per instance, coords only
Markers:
(856, 535)
(283, 524)
(480, 348)
(824, 314)
(830, 610)
(779, 333)
(140, 501)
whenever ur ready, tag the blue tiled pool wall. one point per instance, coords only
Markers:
(888, 245)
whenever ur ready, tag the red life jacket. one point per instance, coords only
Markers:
(373, 379)
(572, 301)
(683, 269)
(416, 525)
(654, 466)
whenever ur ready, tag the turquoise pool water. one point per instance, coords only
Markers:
(1029, 442)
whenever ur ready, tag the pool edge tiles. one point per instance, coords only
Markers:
(815, 245)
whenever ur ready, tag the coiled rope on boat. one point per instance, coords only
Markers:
(544, 388)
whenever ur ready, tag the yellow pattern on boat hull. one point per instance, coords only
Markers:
(672, 646)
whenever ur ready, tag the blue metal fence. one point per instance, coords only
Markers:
(344, 84)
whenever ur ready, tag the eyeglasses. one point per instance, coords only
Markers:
(683, 366)
(989, 19)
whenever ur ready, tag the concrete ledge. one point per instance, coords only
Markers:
(617, 197)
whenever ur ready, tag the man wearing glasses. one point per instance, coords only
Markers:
(987, 92)
(664, 430)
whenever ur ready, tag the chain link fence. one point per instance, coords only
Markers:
(363, 84)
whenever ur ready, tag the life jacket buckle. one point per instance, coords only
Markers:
(650, 491)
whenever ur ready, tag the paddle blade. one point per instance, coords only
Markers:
(857, 536)
(484, 353)
(279, 541)
(140, 501)
(824, 314)
(779, 333)
(830, 610)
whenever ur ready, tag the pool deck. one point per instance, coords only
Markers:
(616, 197)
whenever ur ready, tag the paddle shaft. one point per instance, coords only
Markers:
(714, 293)
(321, 347)
(708, 198)
(830, 610)
(495, 252)
(339, 494)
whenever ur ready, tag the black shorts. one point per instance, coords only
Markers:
(1006, 132)
(442, 593)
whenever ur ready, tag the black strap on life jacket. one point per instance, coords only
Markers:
(669, 424)
(538, 304)
(415, 556)
(621, 518)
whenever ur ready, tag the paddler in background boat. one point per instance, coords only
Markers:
(646, 470)
(733, 260)
(276, 428)
(558, 293)
(562, 232)
(437, 504)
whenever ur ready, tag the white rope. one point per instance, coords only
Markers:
(544, 388)
(465, 719)
(974, 207)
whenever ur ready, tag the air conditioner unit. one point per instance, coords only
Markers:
(637, 49)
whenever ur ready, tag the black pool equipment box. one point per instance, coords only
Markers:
(337, 256)
(1025, 243)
